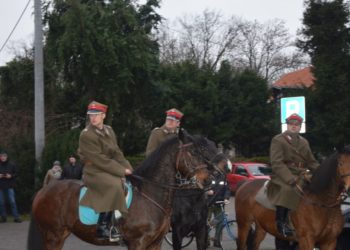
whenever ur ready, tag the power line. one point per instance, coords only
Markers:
(19, 19)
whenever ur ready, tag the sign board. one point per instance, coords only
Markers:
(290, 105)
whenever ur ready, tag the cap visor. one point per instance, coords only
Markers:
(172, 118)
(91, 112)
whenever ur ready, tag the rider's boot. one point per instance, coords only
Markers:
(282, 221)
(106, 230)
(115, 235)
(102, 226)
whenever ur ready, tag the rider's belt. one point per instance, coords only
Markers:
(295, 164)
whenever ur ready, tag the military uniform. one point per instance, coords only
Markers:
(104, 167)
(158, 135)
(290, 155)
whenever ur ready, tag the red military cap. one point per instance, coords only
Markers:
(294, 118)
(174, 114)
(96, 108)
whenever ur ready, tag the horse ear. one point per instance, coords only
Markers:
(183, 136)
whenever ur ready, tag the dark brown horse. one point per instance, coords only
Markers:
(55, 207)
(190, 212)
(317, 220)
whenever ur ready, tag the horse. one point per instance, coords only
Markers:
(318, 218)
(55, 207)
(190, 212)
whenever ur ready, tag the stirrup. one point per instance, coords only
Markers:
(285, 230)
(114, 235)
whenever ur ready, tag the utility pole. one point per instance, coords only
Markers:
(39, 112)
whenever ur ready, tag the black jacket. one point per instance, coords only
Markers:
(72, 172)
(221, 189)
(8, 167)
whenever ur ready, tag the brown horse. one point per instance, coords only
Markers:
(55, 207)
(318, 219)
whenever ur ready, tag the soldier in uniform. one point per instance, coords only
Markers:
(290, 157)
(168, 130)
(105, 166)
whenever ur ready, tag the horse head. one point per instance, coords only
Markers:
(344, 166)
(334, 172)
(195, 158)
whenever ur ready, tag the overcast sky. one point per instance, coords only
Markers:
(291, 11)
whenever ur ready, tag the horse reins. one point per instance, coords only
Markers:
(339, 199)
(178, 175)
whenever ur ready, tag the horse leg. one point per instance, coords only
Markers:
(330, 245)
(259, 236)
(201, 237)
(176, 237)
(55, 240)
(244, 229)
(306, 243)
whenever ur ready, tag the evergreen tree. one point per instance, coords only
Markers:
(326, 38)
(104, 50)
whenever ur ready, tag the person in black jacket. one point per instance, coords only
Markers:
(72, 169)
(8, 174)
(219, 191)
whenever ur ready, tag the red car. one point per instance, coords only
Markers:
(247, 171)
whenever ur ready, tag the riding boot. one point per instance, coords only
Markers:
(102, 226)
(282, 221)
(115, 235)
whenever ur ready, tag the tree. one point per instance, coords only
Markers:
(326, 38)
(267, 49)
(209, 39)
(104, 50)
(202, 39)
(244, 117)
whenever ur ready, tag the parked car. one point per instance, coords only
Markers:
(242, 171)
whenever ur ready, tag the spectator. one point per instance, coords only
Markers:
(8, 174)
(53, 173)
(72, 169)
(168, 130)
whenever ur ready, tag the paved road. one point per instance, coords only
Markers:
(13, 236)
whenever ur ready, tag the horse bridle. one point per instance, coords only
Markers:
(189, 179)
(183, 181)
(343, 195)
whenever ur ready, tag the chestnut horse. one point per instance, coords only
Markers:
(318, 219)
(55, 207)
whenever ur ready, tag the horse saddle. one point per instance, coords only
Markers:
(262, 199)
(89, 216)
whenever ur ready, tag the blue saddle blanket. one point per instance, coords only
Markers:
(88, 216)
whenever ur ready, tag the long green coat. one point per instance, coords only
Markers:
(158, 135)
(290, 154)
(104, 167)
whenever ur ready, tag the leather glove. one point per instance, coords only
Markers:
(307, 175)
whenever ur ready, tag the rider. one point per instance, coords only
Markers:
(169, 129)
(105, 166)
(290, 157)
(218, 191)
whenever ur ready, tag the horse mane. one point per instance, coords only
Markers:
(150, 164)
(324, 175)
(207, 148)
(203, 146)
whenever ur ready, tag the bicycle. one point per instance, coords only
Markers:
(225, 236)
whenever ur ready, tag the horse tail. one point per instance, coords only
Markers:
(35, 239)
(250, 238)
